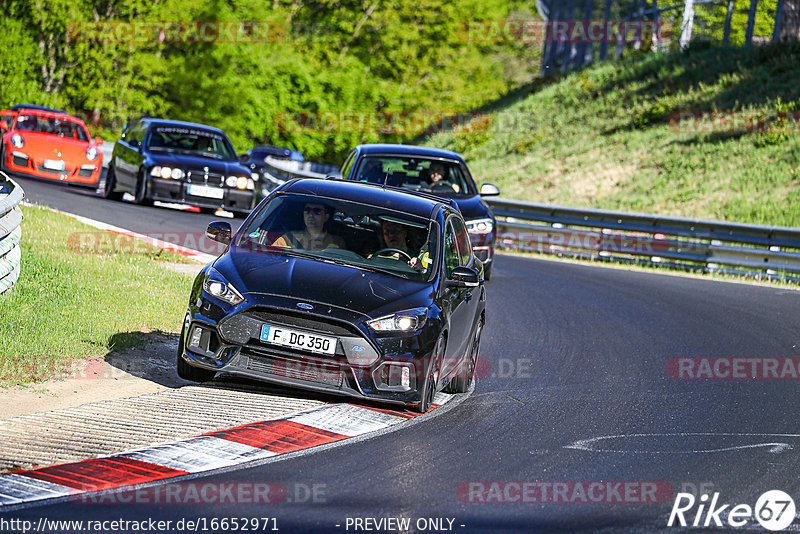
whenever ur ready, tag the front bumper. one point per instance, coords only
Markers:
(176, 191)
(388, 369)
(81, 173)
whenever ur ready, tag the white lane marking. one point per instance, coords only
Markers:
(16, 488)
(198, 454)
(346, 419)
(774, 447)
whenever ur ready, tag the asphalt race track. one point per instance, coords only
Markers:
(575, 388)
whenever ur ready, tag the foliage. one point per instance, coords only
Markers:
(366, 56)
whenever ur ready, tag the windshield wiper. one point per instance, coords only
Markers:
(336, 261)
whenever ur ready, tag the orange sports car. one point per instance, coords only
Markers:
(51, 145)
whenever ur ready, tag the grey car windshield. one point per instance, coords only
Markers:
(441, 177)
(193, 141)
(349, 233)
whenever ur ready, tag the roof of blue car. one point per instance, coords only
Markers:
(182, 123)
(374, 194)
(408, 150)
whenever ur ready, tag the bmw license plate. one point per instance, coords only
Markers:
(279, 335)
(205, 191)
(53, 164)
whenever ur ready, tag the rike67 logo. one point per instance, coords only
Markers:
(774, 510)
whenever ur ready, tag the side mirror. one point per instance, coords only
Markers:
(463, 277)
(219, 231)
(335, 175)
(489, 190)
(98, 140)
(3, 125)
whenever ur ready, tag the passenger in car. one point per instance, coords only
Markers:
(315, 236)
(395, 235)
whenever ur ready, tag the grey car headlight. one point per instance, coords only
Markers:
(480, 226)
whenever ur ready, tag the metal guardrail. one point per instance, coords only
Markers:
(288, 169)
(10, 232)
(746, 249)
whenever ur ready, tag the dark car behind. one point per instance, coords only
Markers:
(180, 162)
(408, 167)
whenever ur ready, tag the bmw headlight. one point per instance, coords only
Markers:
(17, 140)
(177, 174)
(216, 286)
(155, 171)
(480, 226)
(166, 172)
(404, 321)
(91, 153)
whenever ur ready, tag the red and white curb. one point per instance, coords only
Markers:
(223, 448)
(196, 255)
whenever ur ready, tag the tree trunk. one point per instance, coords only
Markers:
(790, 27)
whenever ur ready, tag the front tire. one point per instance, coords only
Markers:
(141, 197)
(189, 372)
(111, 184)
(466, 374)
(429, 388)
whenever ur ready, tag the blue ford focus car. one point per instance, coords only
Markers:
(439, 172)
(347, 288)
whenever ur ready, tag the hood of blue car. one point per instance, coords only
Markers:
(473, 207)
(263, 277)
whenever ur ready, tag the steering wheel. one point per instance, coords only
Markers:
(378, 253)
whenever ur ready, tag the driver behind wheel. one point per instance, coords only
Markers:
(315, 236)
(394, 235)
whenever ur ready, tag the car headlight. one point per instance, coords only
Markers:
(230, 181)
(155, 171)
(91, 153)
(177, 174)
(17, 140)
(404, 321)
(241, 182)
(166, 172)
(216, 286)
(480, 226)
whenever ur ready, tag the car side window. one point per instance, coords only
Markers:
(462, 241)
(348, 163)
(451, 256)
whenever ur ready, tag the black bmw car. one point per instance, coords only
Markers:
(440, 172)
(180, 162)
(349, 288)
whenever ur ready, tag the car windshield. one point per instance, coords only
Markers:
(61, 127)
(194, 141)
(359, 235)
(444, 178)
